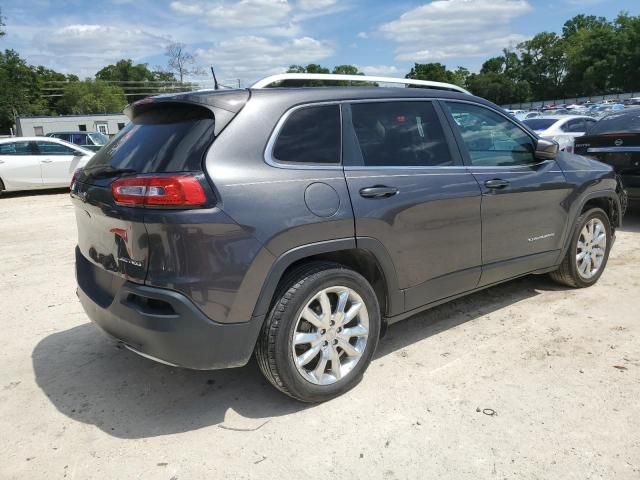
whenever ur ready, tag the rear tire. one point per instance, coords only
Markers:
(588, 251)
(321, 332)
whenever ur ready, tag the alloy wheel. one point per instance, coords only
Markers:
(330, 335)
(591, 248)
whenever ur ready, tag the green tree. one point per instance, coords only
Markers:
(91, 96)
(436, 72)
(137, 80)
(626, 74)
(461, 76)
(543, 63)
(591, 48)
(19, 90)
(316, 68)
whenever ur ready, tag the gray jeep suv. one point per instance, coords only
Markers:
(296, 223)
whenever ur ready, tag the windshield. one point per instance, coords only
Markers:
(99, 138)
(623, 122)
(165, 139)
(538, 124)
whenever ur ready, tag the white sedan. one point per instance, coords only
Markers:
(29, 163)
(564, 129)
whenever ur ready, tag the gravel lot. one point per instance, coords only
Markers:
(560, 368)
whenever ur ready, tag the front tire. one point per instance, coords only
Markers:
(588, 251)
(321, 332)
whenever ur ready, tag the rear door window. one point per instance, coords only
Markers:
(53, 148)
(17, 148)
(310, 135)
(165, 138)
(400, 134)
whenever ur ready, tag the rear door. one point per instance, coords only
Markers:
(20, 165)
(524, 200)
(58, 162)
(411, 192)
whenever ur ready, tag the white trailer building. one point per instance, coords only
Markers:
(108, 124)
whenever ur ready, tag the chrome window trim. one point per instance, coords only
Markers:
(268, 152)
(270, 160)
(613, 149)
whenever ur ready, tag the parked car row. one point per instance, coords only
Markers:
(595, 110)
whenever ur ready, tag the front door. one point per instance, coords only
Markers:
(524, 200)
(411, 192)
(19, 165)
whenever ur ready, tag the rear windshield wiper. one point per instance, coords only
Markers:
(109, 172)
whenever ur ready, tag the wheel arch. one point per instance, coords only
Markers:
(365, 255)
(607, 200)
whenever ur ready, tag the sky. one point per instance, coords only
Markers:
(250, 39)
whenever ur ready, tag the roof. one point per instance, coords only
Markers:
(117, 114)
(74, 132)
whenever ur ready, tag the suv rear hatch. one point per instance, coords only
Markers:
(155, 162)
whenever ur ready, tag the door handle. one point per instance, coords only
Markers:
(496, 183)
(378, 191)
(47, 161)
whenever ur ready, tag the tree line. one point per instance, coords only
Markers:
(592, 56)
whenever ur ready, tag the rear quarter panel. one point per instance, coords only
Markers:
(268, 202)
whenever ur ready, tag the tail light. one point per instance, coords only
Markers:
(75, 176)
(178, 191)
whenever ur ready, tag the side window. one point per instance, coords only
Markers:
(576, 125)
(16, 148)
(400, 134)
(588, 123)
(310, 135)
(491, 139)
(51, 148)
(79, 138)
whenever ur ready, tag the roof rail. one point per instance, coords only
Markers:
(265, 82)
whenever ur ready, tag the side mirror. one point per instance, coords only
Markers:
(546, 149)
(78, 153)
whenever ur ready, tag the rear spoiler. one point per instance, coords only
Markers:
(221, 105)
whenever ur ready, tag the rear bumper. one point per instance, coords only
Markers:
(162, 324)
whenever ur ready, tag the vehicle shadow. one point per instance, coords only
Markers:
(34, 193)
(90, 380)
(631, 220)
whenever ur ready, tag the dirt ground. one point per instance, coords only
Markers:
(525, 380)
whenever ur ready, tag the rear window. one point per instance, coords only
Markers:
(310, 135)
(623, 122)
(166, 138)
(539, 123)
